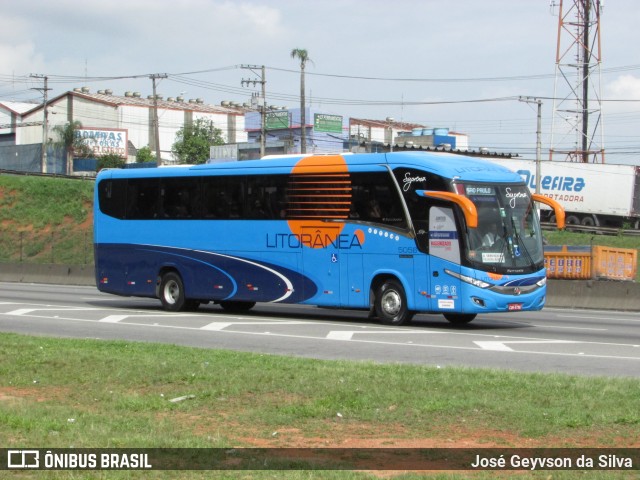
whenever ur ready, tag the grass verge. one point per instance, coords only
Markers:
(58, 393)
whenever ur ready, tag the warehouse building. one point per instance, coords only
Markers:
(120, 124)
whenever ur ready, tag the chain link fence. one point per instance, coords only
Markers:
(53, 246)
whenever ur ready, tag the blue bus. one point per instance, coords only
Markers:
(395, 234)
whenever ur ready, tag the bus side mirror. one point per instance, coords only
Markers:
(557, 208)
(467, 206)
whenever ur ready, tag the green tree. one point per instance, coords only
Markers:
(193, 141)
(72, 143)
(144, 155)
(303, 56)
(111, 160)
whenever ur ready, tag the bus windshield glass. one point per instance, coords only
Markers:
(508, 235)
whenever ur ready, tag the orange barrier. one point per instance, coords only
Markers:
(615, 263)
(565, 264)
(585, 263)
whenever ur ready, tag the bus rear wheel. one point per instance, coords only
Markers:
(236, 307)
(459, 318)
(172, 292)
(391, 304)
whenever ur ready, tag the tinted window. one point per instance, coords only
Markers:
(412, 180)
(364, 196)
(179, 197)
(112, 197)
(142, 198)
(375, 199)
(222, 197)
(266, 197)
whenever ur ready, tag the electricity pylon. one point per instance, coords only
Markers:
(576, 127)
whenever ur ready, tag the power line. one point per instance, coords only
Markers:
(540, 76)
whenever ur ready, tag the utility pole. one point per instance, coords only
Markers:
(45, 128)
(390, 121)
(262, 103)
(156, 126)
(538, 137)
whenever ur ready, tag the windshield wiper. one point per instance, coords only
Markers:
(520, 241)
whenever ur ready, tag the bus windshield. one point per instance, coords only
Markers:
(508, 235)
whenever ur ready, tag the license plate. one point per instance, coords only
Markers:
(514, 306)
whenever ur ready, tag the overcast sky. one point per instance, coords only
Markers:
(370, 58)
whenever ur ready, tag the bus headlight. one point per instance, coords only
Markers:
(542, 282)
(473, 281)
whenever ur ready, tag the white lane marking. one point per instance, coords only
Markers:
(348, 334)
(569, 328)
(372, 342)
(113, 318)
(217, 326)
(502, 347)
(340, 335)
(21, 311)
(24, 311)
(619, 315)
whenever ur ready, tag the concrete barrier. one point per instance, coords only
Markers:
(47, 273)
(596, 294)
(591, 294)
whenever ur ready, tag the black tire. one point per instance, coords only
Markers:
(172, 292)
(572, 220)
(459, 318)
(237, 307)
(391, 304)
(588, 221)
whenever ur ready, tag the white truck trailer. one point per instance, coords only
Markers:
(592, 194)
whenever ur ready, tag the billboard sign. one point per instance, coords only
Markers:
(327, 123)
(104, 141)
(277, 120)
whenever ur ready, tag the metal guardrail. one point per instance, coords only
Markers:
(52, 175)
(596, 230)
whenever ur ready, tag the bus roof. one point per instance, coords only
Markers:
(448, 165)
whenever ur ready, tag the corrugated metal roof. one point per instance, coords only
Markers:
(18, 107)
(386, 124)
(191, 105)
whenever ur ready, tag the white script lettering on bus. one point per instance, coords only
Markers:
(514, 196)
(408, 180)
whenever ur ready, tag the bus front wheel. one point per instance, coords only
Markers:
(459, 318)
(391, 304)
(172, 292)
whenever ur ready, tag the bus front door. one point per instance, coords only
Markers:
(444, 249)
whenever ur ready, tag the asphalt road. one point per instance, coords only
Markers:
(583, 342)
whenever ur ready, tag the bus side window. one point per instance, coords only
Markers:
(112, 197)
(142, 199)
(222, 197)
(265, 194)
(375, 199)
(179, 197)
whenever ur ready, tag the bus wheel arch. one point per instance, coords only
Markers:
(390, 301)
